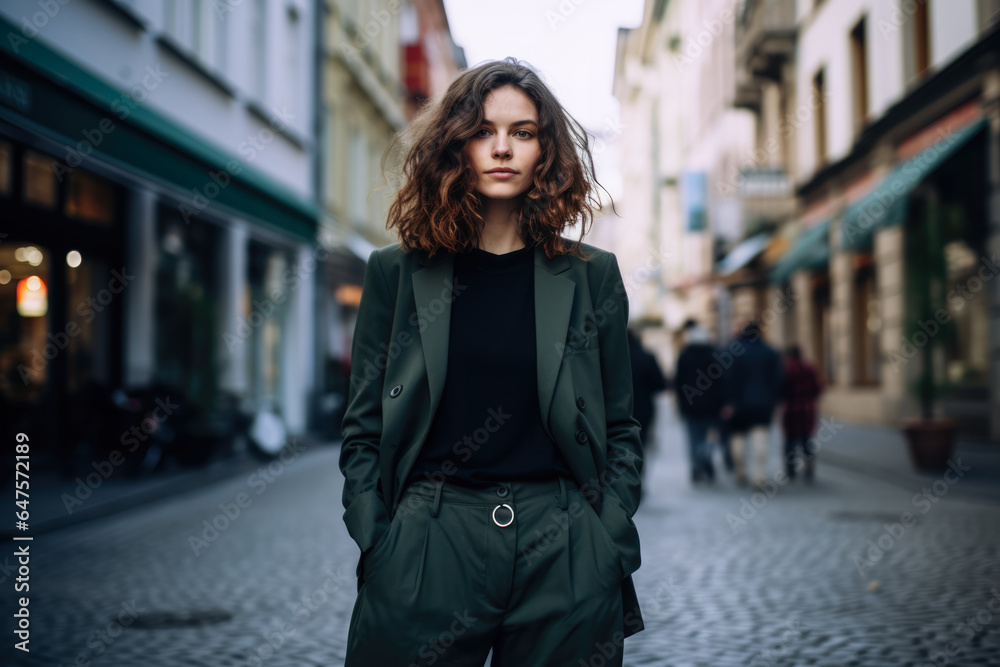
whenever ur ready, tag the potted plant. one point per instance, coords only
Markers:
(931, 439)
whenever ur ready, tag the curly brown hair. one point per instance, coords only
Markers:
(437, 206)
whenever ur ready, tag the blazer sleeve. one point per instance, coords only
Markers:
(624, 456)
(366, 514)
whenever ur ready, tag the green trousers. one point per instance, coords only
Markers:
(524, 568)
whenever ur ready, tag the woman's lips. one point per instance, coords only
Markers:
(502, 175)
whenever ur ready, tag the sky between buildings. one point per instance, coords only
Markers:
(572, 44)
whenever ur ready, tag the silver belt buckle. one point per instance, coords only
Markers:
(503, 525)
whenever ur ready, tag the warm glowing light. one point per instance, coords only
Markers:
(32, 297)
(35, 256)
(4, 276)
(73, 258)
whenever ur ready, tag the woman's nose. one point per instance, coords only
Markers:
(501, 148)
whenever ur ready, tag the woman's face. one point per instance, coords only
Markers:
(506, 142)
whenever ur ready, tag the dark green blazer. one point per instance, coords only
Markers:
(398, 367)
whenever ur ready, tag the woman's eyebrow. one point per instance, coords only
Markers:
(514, 124)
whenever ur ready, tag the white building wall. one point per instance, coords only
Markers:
(824, 42)
(953, 28)
(103, 42)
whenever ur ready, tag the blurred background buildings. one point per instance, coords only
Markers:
(189, 190)
(812, 164)
(186, 205)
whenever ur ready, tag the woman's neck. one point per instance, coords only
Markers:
(500, 225)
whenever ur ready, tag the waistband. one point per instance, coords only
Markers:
(491, 495)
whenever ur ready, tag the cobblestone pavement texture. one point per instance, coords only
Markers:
(801, 575)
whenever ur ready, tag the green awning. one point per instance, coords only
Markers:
(888, 202)
(810, 251)
(50, 95)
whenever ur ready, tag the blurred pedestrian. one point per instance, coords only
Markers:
(800, 392)
(699, 397)
(490, 456)
(647, 381)
(753, 391)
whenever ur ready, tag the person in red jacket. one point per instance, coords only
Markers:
(799, 394)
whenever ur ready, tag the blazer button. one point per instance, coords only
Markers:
(580, 403)
(395, 391)
(581, 436)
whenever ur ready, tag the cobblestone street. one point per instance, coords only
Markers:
(815, 575)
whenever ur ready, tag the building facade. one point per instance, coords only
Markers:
(895, 169)
(157, 183)
(379, 62)
(683, 146)
(849, 149)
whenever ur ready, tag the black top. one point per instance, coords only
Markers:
(488, 427)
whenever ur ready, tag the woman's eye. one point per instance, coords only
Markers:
(527, 135)
(481, 130)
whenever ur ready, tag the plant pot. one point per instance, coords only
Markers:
(931, 442)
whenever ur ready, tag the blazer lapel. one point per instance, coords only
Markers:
(433, 290)
(553, 308)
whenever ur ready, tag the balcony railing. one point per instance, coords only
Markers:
(765, 36)
(766, 195)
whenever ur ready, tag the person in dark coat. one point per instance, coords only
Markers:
(647, 381)
(753, 391)
(799, 394)
(699, 396)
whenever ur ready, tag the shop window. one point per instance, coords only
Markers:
(859, 63)
(187, 333)
(968, 353)
(819, 117)
(39, 180)
(265, 310)
(6, 157)
(90, 198)
(867, 323)
(921, 39)
(25, 286)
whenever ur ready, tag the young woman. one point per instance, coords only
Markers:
(491, 460)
